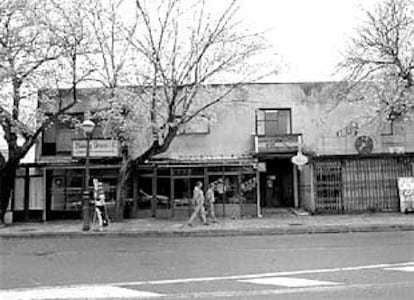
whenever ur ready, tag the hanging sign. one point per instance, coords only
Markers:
(299, 159)
(260, 166)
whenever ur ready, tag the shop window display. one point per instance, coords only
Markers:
(67, 187)
(144, 192)
(229, 190)
(163, 193)
(248, 188)
(233, 189)
(182, 192)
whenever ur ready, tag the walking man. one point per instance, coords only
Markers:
(198, 200)
(210, 202)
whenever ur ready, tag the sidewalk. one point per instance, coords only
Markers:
(272, 224)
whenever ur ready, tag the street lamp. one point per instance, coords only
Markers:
(88, 127)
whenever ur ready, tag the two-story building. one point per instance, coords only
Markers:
(245, 144)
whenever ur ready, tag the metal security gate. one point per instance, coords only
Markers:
(359, 183)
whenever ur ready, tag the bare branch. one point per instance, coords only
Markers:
(383, 53)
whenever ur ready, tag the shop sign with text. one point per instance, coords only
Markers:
(97, 148)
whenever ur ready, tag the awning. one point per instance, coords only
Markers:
(204, 161)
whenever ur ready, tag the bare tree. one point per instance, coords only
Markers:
(379, 62)
(166, 52)
(110, 29)
(180, 47)
(37, 38)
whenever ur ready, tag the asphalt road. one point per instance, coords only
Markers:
(316, 266)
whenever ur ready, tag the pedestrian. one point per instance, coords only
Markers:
(100, 208)
(210, 199)
(198, 201)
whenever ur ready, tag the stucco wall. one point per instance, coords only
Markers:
(320, 118)
(315, 114)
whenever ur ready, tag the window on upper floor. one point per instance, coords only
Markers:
(275, 121)
(57, 139)
(198, 125)
(387, 127)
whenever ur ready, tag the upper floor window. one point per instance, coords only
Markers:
(198, 125)
(387, 127)
(275, 121)
(57, 138)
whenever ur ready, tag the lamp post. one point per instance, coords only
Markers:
(88, 127)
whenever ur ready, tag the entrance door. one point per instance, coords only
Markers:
(272, 190)
(277, 184)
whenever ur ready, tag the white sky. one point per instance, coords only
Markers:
(308, 35)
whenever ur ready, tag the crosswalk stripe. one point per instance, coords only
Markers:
(403, 269)
(76, 292)
(289, 282)
(260, 275)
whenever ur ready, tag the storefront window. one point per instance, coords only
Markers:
(233, 185)
(109, 178)
(74, 189)
(248, 188)
(67, 186)
(144, 192)
(182, 192)
(226, 188)
(163, 172)
(163, 193)
(231, 188)
(219, 190)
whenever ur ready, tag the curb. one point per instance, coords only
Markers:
(216, 233)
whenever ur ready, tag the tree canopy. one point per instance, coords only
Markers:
(150, 58)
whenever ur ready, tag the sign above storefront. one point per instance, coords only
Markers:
(97, 148)
(277, 144)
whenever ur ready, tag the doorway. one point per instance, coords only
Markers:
(277, 184)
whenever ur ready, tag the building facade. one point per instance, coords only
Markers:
(245, 144)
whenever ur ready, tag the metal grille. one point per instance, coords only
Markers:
(328, 178)
(359, 184)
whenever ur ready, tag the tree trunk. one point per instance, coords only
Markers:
(122, 187)
(7, 178)
(127, 166)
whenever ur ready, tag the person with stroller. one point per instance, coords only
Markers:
(100, 208)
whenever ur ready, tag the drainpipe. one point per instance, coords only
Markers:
(295, 187)
(259, 212)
